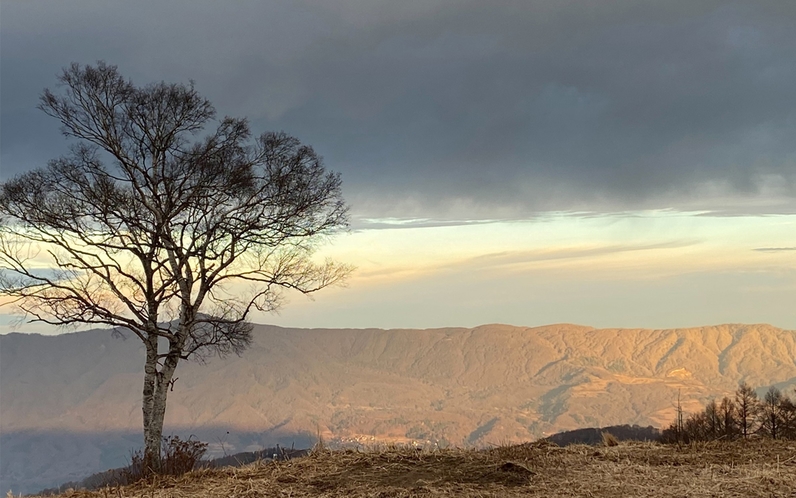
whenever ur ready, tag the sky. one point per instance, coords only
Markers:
(615, 163)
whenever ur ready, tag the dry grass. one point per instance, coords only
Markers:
(754, 468)
(609, 439)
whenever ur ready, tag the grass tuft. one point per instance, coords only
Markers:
(609, 439)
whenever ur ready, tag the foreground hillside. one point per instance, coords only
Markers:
(741, 469)
(71, 404)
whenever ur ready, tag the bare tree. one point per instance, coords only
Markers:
(773, 411)
(713, 419)
(747, 405)
(148, 228)
(788, 418)
(675, 433)
(728, 412)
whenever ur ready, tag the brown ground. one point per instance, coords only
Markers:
(754, 468)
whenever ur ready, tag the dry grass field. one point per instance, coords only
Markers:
(755, 468)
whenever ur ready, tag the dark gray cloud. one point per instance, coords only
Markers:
(453, 108)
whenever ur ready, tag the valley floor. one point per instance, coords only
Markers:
(738, 469)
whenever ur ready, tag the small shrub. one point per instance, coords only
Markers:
(181, 456)
(177, 458)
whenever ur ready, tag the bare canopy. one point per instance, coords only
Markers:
(149, 228)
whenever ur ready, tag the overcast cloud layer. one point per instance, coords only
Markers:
(458, 109)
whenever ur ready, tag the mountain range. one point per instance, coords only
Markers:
(70, 403)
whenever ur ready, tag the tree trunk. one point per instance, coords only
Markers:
(151, 439)
(156, 388)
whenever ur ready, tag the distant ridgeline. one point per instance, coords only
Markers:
(594, 436)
